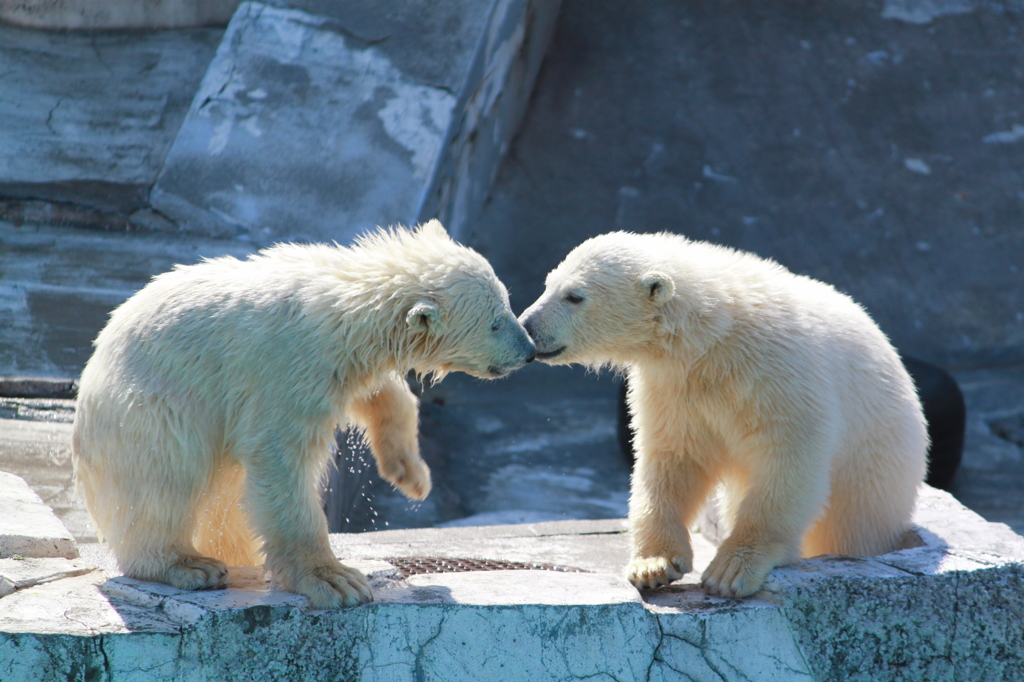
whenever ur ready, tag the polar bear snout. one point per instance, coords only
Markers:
(547, 345)
(520, 350)
(530, 351)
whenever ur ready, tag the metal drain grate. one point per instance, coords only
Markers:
(419, 565)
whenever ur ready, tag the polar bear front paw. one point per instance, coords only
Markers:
(651, 572)
(737, 572)
(411, 477)
(333, 587)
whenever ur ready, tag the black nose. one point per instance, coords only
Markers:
(533, 356)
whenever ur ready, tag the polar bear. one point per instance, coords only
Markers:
(206, 413)
(773, 386)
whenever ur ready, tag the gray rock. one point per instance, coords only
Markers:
(88, 117)
(317, 126)
(925, 11)
(106, 14)
(296, 134)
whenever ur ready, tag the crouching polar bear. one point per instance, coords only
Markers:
(206, 413)
(775, 386)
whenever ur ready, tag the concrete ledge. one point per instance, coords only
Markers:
(948, 609)
(21, 572)
(317, 122)
(38, 387)
(29, 528)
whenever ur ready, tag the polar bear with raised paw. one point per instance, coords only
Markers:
(206, 413)
(773, 387)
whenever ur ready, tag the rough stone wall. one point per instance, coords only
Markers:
(109, 14)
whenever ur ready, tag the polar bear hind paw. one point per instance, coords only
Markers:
(193, 572)
(334, 587)
(651, 572)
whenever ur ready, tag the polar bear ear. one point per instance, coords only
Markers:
(658, 287)
(424, 317)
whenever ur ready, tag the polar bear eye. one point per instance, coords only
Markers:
(573, 298)
(496, 326)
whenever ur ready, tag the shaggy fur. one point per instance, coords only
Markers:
(206, 413)
(773, 386)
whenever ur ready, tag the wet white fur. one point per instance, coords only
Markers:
(206, 413)
(773, 385)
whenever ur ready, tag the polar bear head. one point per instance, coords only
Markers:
(605, 303)
(455, 313)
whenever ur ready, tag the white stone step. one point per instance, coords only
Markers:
(28, 528)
